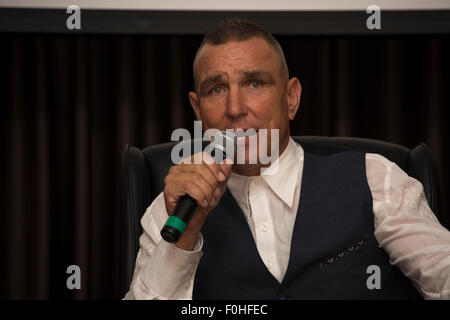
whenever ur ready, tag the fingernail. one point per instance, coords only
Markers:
(205, 203)
(217, 192)
(221, 176)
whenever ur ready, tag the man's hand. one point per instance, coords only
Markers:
(205, 183)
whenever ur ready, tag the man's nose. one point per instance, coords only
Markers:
(236, 106)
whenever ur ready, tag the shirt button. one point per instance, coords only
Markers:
(269, 265)
(264, 227)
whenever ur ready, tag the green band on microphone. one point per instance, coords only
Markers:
(176, 223)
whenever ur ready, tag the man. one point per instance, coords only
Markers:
(310, 231)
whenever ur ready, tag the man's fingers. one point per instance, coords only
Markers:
(194, 180)
(214, 167)
(195, 192)
(208, 162)
(225, 167)
(205, 173)
(204, 180)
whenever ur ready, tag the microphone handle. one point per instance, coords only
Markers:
(177, 222)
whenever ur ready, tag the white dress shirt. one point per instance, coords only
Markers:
(405, 228)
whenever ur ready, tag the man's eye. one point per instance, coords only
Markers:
(216, 90)
(255, 84)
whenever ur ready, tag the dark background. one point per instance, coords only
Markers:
(70, 103)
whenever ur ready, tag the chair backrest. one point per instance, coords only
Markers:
(143, 173)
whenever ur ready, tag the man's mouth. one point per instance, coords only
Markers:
(245, 132)
(243, 136)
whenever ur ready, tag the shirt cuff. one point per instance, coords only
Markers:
(171, 270)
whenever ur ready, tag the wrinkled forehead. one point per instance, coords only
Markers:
(233, 57)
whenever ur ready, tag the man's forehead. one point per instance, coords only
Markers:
(235, 57)
(242, 73)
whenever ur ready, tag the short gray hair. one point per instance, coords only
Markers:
(236, 29)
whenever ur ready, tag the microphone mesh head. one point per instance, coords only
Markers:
(230, 141)
(226, 141)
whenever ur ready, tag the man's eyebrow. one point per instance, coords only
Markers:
(258, 74)
(205, 83)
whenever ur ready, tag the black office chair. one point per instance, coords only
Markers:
(143, 173)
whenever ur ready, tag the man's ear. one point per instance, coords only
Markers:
(193, 99)
(294, 91)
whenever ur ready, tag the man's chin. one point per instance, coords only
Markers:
(247, 169)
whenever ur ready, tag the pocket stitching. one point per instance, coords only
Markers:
(342, 254)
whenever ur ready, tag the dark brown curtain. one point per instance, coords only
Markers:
(70, 104)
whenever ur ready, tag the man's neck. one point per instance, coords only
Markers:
(255, 170)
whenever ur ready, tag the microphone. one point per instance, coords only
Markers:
(224, 143)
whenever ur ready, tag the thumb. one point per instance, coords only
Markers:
(225, 167)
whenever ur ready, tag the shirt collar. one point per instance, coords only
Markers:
(282, 179)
